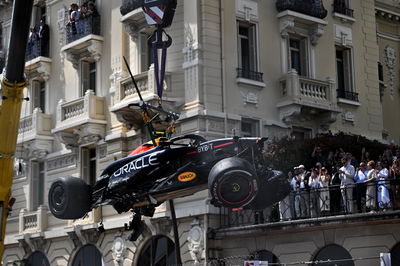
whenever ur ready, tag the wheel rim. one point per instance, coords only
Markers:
(236, 187)
(58, 197)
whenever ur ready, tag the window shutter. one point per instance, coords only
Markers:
(85, 165)
(253, 47)
(144, 53)
(303, 57)
(347, 70)
(35, 187)
(85, 77)
(42, 96)
(35, 94)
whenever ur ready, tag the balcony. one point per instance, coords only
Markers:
(126, 95)
(340, 6)
(316, 207)
(249, 77)
(311, 8)
(83, 40)
(34, 136)
(37, 48)
(307, 99)
(33, 222)
(80, 121)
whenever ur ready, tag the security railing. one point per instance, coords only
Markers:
(349, 95)
(368, 198)
(83, 27)
(37, 48)
(341, 6)
(249, 74)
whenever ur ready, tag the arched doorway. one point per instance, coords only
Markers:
(37, 258)
(395, 254)
(338, 254)
(265, 255)
(157, 251)
(88, 255)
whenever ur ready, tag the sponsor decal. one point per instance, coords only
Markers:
(187, 176)
(137, 164)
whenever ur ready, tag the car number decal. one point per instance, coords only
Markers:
(187, 176)
(204, 148)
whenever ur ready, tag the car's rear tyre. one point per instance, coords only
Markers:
(69, 198)
(273, 188)
(233, 183)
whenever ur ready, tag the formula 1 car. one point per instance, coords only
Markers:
(233, 169)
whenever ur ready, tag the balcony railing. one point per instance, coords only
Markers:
(348, 95)
(340, 6)
(361, 199)
(82, 28)
(30, 222)
(33, 125)
(249, 74)
(308, 90)
(37, 48)
(312, 8)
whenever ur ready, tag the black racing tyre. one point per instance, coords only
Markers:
(233, 183)
(273, 187)
(69, 198)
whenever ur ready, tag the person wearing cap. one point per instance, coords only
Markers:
(302, 196)
(346, 175)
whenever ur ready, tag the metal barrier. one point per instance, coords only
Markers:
(319, 202)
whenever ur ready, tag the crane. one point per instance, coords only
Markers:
(13, 85)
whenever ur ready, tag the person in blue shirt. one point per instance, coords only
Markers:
(360, 177)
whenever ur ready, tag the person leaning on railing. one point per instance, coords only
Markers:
(370, 195)
(383, 181)
(359, 178)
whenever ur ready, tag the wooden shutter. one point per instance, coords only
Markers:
(304, 57)
(35, 169)
(85, 77)
(144, 53)
(253, 47)
(348, 77)
(35, 94)
(85, 164)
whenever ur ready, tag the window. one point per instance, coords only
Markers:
(249, 128)
(88, 255)
(37, 184)
(342, 7)
(39, 95)
(298, 56)
(265, 255)
(334, 252)
(159, 250)
(344, 70)
(247, 51)
(37, 258)
(88, 77)
(38, 12)
(88, 167)
(301, 133)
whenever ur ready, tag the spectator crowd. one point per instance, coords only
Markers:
(338, 182)
(79, 15)
(38, 40)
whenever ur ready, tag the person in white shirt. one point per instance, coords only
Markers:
(383, 183)
(346, 175)
(302, 197)
(324, 196)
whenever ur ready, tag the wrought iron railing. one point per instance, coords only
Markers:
(312, 8)
(249, 74)
(83, 27)
(374, 197)
(349, 95)
(341, 6)
(37, 48)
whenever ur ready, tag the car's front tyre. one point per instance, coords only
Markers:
(232, 183)
(69, 198)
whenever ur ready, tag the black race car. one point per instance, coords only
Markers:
(233, 169)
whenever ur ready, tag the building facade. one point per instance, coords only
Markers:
(243, 67)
